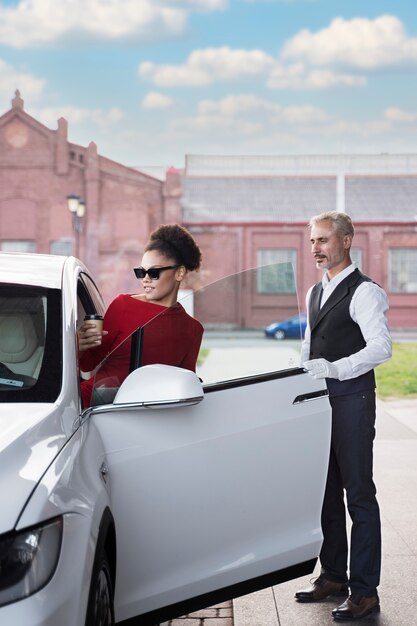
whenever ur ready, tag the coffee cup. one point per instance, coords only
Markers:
(97, 319)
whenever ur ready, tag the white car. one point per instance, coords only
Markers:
(173, 496)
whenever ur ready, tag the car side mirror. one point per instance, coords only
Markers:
(160, 386)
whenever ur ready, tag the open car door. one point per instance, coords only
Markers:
(215, 486)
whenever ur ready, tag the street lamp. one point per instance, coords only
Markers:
(77, 207)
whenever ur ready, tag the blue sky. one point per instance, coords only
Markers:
(152, 80)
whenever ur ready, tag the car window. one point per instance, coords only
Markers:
(222, 355)
(30, 344)
(89, 299)
(229, 309)
(89, 294)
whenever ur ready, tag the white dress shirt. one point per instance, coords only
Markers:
(368, 308)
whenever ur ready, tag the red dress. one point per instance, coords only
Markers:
(170, 336)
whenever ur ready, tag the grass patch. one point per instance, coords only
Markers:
(202, 355)
(397, 378)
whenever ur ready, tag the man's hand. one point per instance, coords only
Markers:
(320, 368)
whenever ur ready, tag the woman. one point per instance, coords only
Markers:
(170, 335)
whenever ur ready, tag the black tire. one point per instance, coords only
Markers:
(100, 610)
(280, 334)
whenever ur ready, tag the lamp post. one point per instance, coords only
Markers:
(76, 206)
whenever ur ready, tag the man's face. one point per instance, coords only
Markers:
(330, 249)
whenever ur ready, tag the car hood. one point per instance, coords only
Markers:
(31, 435)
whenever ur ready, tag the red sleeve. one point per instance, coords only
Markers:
(190, 360)
(89, 359)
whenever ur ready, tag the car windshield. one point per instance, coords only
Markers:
(30, 343)
(233, 312)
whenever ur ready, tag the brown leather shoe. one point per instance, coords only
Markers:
(320, 589)
(349, 611)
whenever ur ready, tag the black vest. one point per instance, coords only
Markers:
(335, 335)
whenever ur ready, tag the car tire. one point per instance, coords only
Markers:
(100, 610)
(279, 334)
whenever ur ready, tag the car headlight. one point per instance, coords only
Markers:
(28, 559)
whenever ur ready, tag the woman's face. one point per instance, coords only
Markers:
(163, 290)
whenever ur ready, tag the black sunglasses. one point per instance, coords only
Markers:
(152, 272)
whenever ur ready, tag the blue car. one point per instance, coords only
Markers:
(292, 328)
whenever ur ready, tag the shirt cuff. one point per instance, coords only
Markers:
(344, 368)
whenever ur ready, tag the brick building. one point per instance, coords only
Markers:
(250, 211)
(245, 212)
(39, 168)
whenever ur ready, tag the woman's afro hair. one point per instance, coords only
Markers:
(175, 242)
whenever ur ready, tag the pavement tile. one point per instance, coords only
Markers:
(217, 615)
(395, 469)
(256, 609)
(293, 613)
(395, 466)
(200, 621)
(404, 528)
(212, 612)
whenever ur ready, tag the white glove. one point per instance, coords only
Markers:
(320, 368)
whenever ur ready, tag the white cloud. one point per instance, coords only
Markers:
(247, 105)
(235, 105)
(359, 42)
(234, 116)
(278, 1)
(305, 60)
(297, 76)
(202, 5)
(11, 79)
(303, 114)
(246, 121)
(210, 65)
(75, 115)
(204, 67)
(362, 130)
(248, 125)
(154, 100)
(210, 124)
(44, 22)
(394, 114)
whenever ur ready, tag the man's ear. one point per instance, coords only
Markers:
(347, 242)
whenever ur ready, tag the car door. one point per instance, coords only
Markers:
(215, 486)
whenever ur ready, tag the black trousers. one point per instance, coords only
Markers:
(350, 471)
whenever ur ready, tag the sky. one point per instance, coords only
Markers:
(151, 81)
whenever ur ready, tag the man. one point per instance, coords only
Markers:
(346, 337)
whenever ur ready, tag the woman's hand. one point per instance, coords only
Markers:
(89, 336)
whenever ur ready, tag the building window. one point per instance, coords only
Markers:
(356, 256)
(16, 245)
(62, 247)
(402, 270)
(276, 270)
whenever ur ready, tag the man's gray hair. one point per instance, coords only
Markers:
(341, 222)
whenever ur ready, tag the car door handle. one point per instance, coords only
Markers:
(314, 395)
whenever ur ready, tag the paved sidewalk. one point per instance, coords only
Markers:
(217, 615)
(396, 479)
(395, 469)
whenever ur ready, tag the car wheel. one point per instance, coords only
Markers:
(100, 611)
(280, 334)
